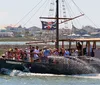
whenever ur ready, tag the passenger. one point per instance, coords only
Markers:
(28, 54)
(17, 54)
(30, 47)
(55, 52)
(46, 53)
(21, 54)
(41, 55)
(79, 47)
(10, 53)
(74, 53)
(67, 53)
(6, 54)
(91, 50)
(13, 54)
(84, 51)
(51, 51)
(61, 52)
(25, 56)
(3, 56)
(36, 53)
(32, 53)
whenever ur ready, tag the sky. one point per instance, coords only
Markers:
(12, 11)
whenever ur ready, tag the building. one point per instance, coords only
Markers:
(18, 31)
(6, 34)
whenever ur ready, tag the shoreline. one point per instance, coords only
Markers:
(17, 39)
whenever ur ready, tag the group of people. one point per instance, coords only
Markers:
(87, 50)
(31, 54)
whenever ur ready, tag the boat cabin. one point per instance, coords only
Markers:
(89, 44)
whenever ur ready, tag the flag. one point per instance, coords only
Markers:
(48, 25)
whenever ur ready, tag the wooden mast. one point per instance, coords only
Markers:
(57, 25)
(57, 22)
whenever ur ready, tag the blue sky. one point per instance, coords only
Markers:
(12, 11)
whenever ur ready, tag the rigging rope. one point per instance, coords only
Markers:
(43, 10)
(85, 14)
(71, 13)
(28, 13)
(51, 8)
(34, 13)
(64, 13)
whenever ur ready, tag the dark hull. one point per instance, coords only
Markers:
(36, 67)
(66, 67)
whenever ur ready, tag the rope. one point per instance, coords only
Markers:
(85, 14)
(34, 13)
(51, 6)
(44, 9)
(27, 13)
(71, 13)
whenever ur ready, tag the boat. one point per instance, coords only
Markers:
(57, 64)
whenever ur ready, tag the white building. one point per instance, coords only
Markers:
(6, 34)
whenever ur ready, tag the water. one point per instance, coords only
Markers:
(93, 79)
(13, 43)
(24, 42)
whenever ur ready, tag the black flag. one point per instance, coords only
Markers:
(48, 25)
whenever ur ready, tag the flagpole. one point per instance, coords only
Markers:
(57, 25)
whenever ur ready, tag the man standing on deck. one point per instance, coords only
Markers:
(79, 47)
(32, 53)
(36, 53)
(46, 53)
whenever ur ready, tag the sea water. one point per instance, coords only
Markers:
(24, 42)
(22, 78)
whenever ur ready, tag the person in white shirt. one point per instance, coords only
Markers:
(36, 53)
(28, 54)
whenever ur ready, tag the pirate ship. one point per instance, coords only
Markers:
(55, 64)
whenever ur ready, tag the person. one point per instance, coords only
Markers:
(25, 56)
(17, 54)
(79, 48)
(28, 54)
(61, 52)
(36, 53)
(46, 53)
(84, 51)
(3, 56)
(41, 55)
(55, 52)
(21, 54)
(90, 49)
(10, 53)
(74, 52)
(92, 53)
(67, 53)
(32, 53)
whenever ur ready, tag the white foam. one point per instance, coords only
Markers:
(20, 73)
(91, 76)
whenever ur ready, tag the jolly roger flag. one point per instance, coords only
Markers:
(48, 25)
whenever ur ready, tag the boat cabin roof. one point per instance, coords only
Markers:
(82, 39)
